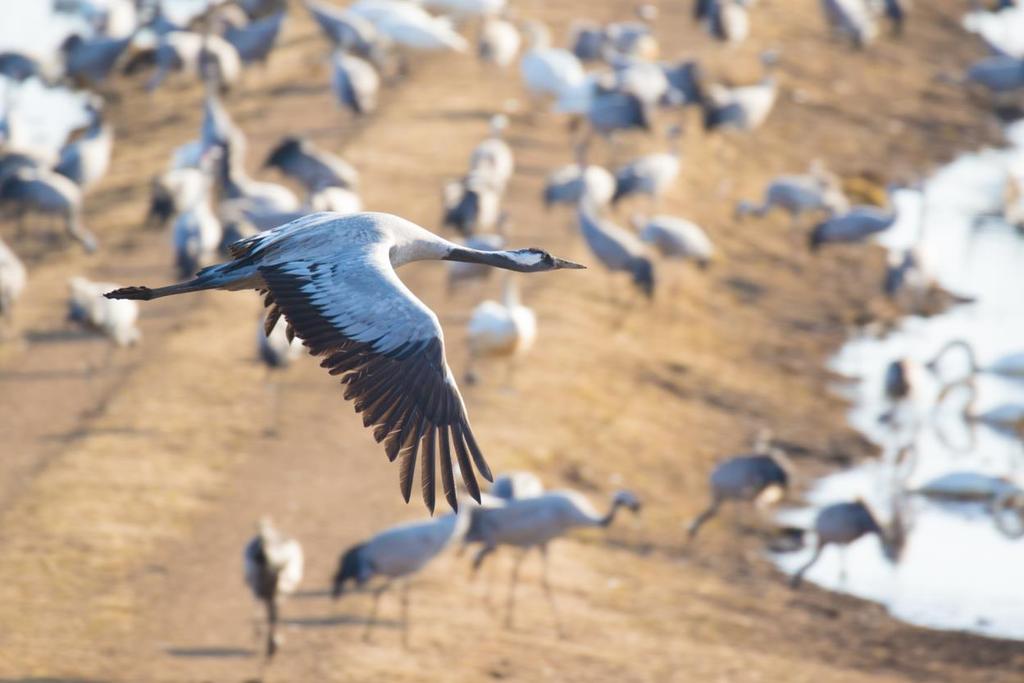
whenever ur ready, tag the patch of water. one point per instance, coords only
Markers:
(957, 571)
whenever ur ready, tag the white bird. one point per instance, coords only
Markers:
(618, 249)
(273, 567)
(493, 155)
(498, 42)
(676, 238)
(500, 330)
(397, 554)
(650, 174)
(333, 279)
(116, 320)
(534, 522)
(12, 281)
(548, 71)
(355, 83)
(1010, 366)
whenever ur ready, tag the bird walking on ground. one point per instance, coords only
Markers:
(676, 238)
(759, 477)
(311, 166)
(493, 155)
(355, 83)
(857, 224)
(397, 554)
(38, 190)
(333, 279)
(273, 567)
(651, 174)
(617, 249)
(841, 524)
(817, 191)
(534, 522)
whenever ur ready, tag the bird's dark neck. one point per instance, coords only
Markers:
(609, 516)
(496, 259)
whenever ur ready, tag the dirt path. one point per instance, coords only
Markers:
(121, 529)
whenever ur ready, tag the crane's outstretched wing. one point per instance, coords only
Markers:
(389, 349)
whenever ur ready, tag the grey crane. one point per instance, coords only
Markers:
(676, 238)
(900, 378)
(313, 167)
(570, 183)
(90, 61)
(273, 566)
(856, 225)
(254, 41)
(1006, 418)
(851, 19)
(651, 174)
(534, 522)
(38, 190)
(493, 155)
(727, 20)
(587, 40)
(355, 83)
(236, 184)
(743, 107)
(197, 232)
(345, 29)
(333, 279)
(610, 110)
(1010, 366)
(817, 191)
(12, 282)
(397, 554)
(1002, 76)
(841, 524)
(473, 203)
(759, 477)
(85, 161)
(18, 67)
(616, 248)
(686, 78)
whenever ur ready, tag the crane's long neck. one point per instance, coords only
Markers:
(508, 260)
(609, 516)
(972, 359)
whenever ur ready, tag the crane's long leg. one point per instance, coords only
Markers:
(548, 593)
(799, 576)
(271, 627)
(372, 620)
(511, 606)
(700, 519)
(405, 613)
(273, 392)
(842, 565)
(481, 555)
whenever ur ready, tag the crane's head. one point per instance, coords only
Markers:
(280, 154)
(628, 500)
(532, 260)
(351, 567)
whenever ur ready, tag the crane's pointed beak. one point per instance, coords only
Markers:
(562, 263)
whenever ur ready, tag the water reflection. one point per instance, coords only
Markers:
(959, 502)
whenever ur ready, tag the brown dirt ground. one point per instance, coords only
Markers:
(127, 491)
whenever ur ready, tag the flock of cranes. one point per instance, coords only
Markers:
(326, 270)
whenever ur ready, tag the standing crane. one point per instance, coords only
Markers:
(273, 566)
